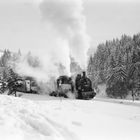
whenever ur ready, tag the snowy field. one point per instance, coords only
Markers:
(39, 117)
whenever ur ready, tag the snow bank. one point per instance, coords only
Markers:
(101, 92)
(120, 101)
(44, 118)
(22, 119)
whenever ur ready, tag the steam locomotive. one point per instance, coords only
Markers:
(81, 88)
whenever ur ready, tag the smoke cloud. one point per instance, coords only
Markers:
(66, 36)
(45, 66)
(66, 17)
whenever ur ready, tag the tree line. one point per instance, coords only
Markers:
(8, 61)
(117, 64)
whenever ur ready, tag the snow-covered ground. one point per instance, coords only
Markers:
(39, 117)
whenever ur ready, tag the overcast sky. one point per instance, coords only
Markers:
(21, 24)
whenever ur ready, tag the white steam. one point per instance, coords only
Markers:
(52, 62)
(46, 65)
(66, 36)
(66, 17)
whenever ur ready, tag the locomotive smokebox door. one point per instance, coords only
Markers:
(28, 85)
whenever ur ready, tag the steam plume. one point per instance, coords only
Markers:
(67, 18)
(66, 36)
